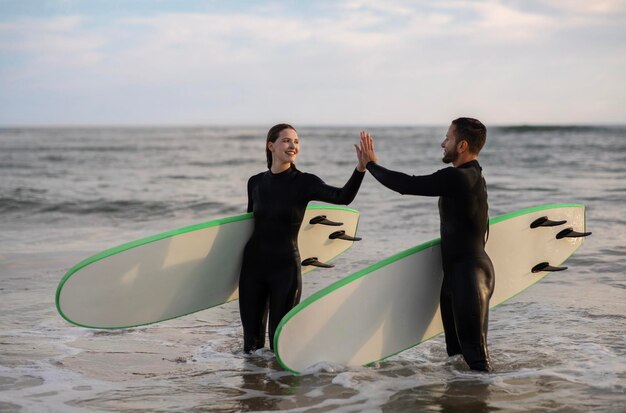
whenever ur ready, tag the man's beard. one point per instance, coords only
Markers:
(449, 157)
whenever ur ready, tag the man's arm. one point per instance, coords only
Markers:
(426, 185)
(440, 183)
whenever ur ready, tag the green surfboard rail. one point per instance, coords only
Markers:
(389, 260)
(153, 238)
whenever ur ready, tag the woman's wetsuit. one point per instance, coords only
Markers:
(468, 279)
(270, 275)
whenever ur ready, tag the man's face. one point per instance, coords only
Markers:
(450, 152)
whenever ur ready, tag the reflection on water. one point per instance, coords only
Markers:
(455, 396)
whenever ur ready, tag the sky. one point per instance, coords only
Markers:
(325, 62)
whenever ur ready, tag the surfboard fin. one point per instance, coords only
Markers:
(342, 235)
(570, 233)
(321, 219)
(545, 266)
(314, 262)
(545, 222)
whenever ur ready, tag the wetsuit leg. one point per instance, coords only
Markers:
(285, 291)
(473, 286)
(453, 347)
(253, 307)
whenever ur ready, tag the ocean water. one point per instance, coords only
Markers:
(67, 193)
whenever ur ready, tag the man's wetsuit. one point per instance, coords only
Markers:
(468, 279)
(270, 275)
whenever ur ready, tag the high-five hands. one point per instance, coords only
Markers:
(365, 153)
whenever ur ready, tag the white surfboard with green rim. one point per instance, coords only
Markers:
(183, 271)
(393, 305)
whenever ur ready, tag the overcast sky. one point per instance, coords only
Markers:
(328, 62)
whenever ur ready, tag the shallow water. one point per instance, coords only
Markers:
(68, 193)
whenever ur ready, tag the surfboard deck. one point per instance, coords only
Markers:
(180, 272)
(393, 305)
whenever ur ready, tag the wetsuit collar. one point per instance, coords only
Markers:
(286, 172)
(471, 164)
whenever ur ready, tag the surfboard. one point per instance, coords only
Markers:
(393, 305)
(189, 269)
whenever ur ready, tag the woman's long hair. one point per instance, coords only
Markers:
(272, 136)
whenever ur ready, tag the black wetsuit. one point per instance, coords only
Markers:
(270, 275)
(468, 279)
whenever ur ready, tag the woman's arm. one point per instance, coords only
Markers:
(320, 191)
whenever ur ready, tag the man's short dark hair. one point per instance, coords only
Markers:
(471, 130)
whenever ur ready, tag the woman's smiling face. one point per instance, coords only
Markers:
(286, 147)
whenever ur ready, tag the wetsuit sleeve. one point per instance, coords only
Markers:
(250, 200)
(320, 191)
(443, 182)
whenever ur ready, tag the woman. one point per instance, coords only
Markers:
(270, 277)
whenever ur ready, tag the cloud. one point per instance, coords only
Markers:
(588, 8)
(59, 41)
(501, 23)
(358, 59)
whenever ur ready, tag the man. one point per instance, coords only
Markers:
(468, 279)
